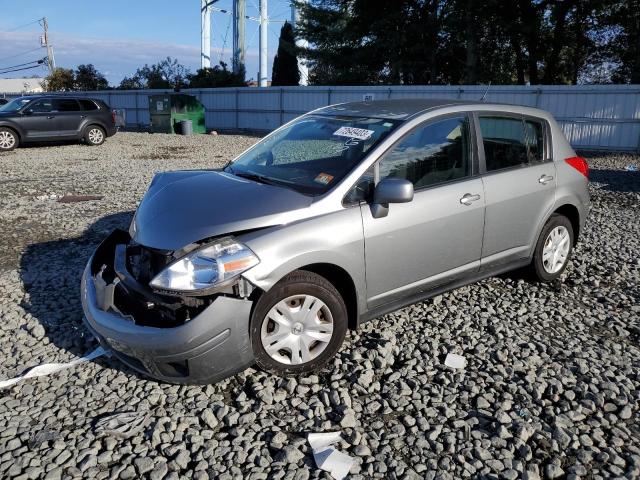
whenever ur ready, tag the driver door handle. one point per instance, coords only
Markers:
(544, 179)
(468, 198)
(50, 117)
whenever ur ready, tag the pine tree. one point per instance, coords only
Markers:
(285, 63)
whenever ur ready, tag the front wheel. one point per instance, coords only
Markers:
(8, 140)
(298, 325)
(95, 135)
(553, 249)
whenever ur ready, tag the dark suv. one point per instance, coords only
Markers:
(50, 118)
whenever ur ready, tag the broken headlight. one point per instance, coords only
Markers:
(206, 267)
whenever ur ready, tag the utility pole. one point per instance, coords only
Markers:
(50, 57)
(239, 18)
(301, 43)
(205, 34)
(264, 27)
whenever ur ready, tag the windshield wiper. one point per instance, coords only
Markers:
(256, 177)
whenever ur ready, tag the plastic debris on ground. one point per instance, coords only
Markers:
(51, 368)
(455, 361)
(631, 168)
(121, 424)
(79, 198)
(328, 458)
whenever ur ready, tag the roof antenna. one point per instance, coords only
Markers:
(484, 95)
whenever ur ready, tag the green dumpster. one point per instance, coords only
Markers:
(169, 109)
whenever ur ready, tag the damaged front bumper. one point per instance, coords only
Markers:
(206, 348)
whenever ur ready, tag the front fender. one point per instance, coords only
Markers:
(335, 238)
(13, 126)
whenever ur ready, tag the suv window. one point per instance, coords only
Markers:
(438, 152)
(42, 106)
(88, 105)
(66, 105)
(511, 142)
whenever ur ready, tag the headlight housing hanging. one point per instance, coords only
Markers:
(213, 264)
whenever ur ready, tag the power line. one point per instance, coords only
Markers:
(24, 25)
(19, 54)
(19, 69)
(22, 64)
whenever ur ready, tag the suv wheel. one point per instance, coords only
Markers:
(8, 140)
(95, 135)
(298, 325)
(553, 249)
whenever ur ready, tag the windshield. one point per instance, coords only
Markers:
(313, 153)
(15, 105)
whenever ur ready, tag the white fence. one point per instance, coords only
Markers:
(601, 117)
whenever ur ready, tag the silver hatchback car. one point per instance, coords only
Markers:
(343, 214)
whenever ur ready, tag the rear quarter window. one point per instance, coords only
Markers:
(88, 105)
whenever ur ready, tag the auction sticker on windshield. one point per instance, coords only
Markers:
(324, 178)
(351, 132)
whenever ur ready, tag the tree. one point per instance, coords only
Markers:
(285, 63)
(217, 76)
(60, 80)
(165, 74)
(88, 78)
(469, 41)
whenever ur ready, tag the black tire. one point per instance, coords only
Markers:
(537, 267)
(94, 135)
(299, 282)
(8, 139)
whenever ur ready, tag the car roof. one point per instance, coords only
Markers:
(399, 109)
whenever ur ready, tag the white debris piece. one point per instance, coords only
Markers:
(328, 458)
(50, 368)
(455, 361)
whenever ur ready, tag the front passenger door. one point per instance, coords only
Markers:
(437, 236)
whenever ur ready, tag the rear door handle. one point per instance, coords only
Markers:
(49, 117)
(544, 179)
(468, 198)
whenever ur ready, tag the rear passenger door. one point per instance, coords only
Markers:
(67, 117)
(519, 184)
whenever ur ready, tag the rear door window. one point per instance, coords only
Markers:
(66, 105)
(88, 105)
(511, 142)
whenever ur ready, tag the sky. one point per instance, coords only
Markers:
(119, 36)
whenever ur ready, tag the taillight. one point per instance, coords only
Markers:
(113, 116)
(579, 164)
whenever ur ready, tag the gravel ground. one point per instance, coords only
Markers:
(551, 388)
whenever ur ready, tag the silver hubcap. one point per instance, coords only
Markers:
(556, 249)
(297, 329)
(95, 135)
(7, 140)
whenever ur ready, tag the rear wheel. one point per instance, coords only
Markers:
(298, 325)
(8, 139)
(95, 135)
(553, 249)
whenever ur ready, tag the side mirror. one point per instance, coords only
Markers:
(27, 111)
(390, 190)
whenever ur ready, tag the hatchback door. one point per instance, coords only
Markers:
(519, 184)
(438, 236)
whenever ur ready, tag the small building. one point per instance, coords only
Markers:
(21, 85)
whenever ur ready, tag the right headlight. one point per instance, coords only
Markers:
(206, 267)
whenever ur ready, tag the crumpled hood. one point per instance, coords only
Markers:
(184, 207)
